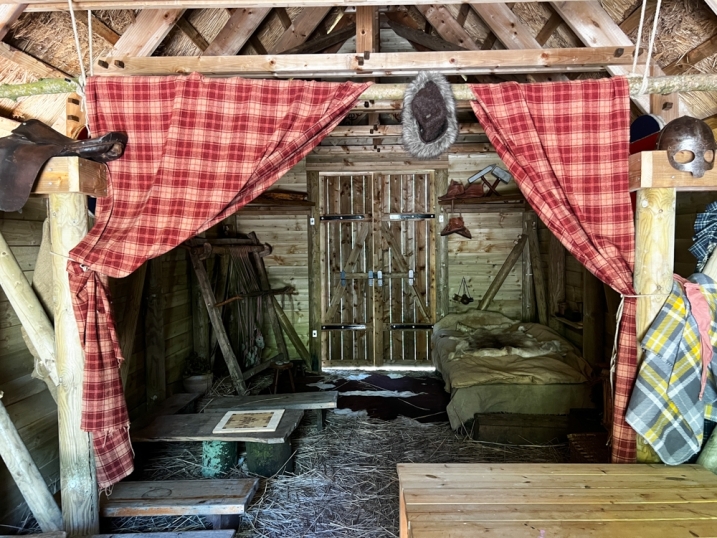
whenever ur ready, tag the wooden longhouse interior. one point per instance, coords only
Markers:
(362, 270)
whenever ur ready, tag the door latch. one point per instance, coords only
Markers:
(380, 279)
(370, 279)
(410, 277)
(343, 279)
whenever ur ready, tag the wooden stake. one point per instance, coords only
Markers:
(128, 330)
(510, 261)
(443, 288)
(154, 335)
(537, 266)
(27, 476)
(556, 282)
(314, 261)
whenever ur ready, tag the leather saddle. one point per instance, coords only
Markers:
(32, 144)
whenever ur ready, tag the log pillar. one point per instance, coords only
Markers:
(80, 499)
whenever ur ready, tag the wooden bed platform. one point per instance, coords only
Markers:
(557, 501)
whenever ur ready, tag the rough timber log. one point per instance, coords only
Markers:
(386, 92)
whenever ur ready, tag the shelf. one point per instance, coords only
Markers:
(651, 169)
(272, 206)
(485, 204)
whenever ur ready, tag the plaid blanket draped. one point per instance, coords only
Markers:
(567, 145)
(198, 150)
(665, 407)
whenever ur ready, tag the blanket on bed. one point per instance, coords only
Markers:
(484, 348)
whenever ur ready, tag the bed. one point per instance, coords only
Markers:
(492, 364)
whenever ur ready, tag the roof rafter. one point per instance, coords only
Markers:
(237, 31)
(301, 29)
(514, 35)
(146, 33)
(447, 26)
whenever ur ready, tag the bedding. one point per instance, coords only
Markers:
(492, 364)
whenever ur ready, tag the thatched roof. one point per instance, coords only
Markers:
(40, 44)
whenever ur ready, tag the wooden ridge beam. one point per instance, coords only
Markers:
(378, 64)
(43, 5)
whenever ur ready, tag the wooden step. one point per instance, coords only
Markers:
(179, 498)
(298, 400)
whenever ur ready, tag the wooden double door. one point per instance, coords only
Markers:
(377, 277)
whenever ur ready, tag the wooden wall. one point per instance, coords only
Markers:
(29, 403)
(288, 264)
(493, 237)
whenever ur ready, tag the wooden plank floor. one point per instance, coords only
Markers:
(557, 501)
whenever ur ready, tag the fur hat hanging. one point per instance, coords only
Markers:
(429, 116)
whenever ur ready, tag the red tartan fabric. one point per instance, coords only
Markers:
(567, 146)
(198, 150)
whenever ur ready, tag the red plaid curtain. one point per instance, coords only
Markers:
(567, 146)
(198, 150)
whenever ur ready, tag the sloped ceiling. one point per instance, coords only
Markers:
(40, 44)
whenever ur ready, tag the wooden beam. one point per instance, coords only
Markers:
(442, 286)
(502, 274)
(651, 169)
(72, 175)
(32, 65)
(155, 375)
(29, 310)
(192, 33)
(700, 52)
(98, 27)
(366, 29)
(283, 17)
(462, 15)
(556, 281)
(44, 5)
(9, 13)
(549, 28)
(291, 332)
(146, 33)
(257, 45)
(237, 31)
(539, 281)
(595, 28)
(314, 262)
(80, 502)
(27, 476)
(217, 323)
(322, 43)
(447, 27)
(381, 131)
(510, 31)
(347, 20)
(528, 310)
(632, 22)
(430, 42)
(378, 64)
(301, 29)
(128, 330)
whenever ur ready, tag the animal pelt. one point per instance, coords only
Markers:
(412, 137)
(485, 343)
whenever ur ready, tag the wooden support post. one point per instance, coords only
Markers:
(200, 316)
(556, 282)
(128, 330)
(510, 261)
(154, 335)
(654, 252)
(220, 294)
(29, 310)
(442, 292)
(537, 267)
(80, 499)
(593, 319)
(654, 266)
(27, 476)
(267, 459)
(528, 295)
(314, 247)
(213, 314)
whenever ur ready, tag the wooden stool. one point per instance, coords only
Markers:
(279, 367)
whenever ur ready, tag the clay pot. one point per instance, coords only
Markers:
(198, 384)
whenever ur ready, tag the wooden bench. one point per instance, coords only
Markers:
(556, 500)
(315, 403)
(221, 501)
(267, 452)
